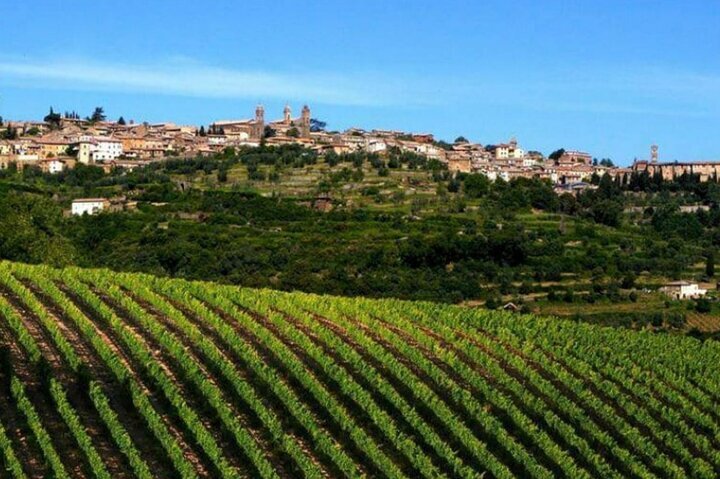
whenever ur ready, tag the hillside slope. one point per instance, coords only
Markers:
(126, 375)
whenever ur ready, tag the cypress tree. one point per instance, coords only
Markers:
(710, 264)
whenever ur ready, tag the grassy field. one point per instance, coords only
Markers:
(106, 374)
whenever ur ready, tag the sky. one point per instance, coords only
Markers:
(607, 77)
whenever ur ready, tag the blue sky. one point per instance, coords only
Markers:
(609, 77)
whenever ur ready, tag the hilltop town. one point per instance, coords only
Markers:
(60, 141)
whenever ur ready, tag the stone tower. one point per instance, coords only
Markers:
(259, 126)
(287, 115)
(654, 153)
(305, 122)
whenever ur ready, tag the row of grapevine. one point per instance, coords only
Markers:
(140, 352)
(119, 433)
(9, 460)
(210, 391)
(233, 382)
(270, 420)
(42, 278)
(698, 466)
(321, 393)
(384, 388)
(351, 388)
(500, 400)
(477, 448)
(586, 367)
(78, 430)
(41, 435)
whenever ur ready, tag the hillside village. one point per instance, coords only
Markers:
(60, 141)
(562, 234)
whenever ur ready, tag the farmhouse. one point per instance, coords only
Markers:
(683, 290)
(90, 206)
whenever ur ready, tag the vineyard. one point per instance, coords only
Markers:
(116, 375)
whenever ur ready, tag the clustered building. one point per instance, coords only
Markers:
(113, 144)
(704, 170)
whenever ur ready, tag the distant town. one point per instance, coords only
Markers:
(60, 141)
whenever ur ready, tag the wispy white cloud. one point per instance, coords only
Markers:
(606, 89)
(186, 77)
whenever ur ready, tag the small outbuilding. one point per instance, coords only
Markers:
(511, 307)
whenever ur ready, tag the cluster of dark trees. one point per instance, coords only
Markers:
(516, 194)
(393, 159)
(53, 118)
(243, 238)
(9, 133)
(603, 206)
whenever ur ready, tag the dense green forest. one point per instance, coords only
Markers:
(400, 227)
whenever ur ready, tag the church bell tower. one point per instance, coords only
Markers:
(259, 126)
(305, 122)
(287, 115)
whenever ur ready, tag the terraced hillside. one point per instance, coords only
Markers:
(121, 375)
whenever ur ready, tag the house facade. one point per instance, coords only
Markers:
(107, 149)
(509, 151)
(88, 206)
(683, 290)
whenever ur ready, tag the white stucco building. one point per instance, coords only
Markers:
(53, 165)
(375, 146)
(107, 149)
(509, 151)
(88, 206)
(683, 290)
(93, 149)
